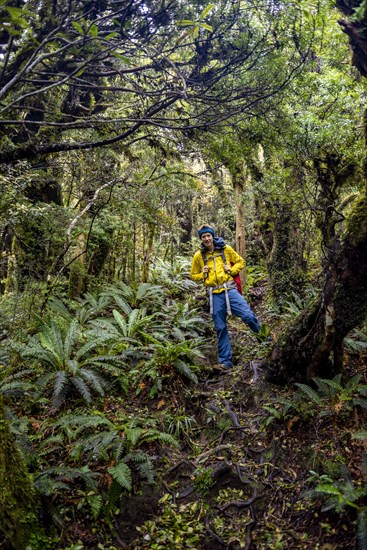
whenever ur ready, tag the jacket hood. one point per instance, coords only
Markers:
(218, 244)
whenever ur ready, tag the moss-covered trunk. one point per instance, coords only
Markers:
(312, 345)
(239, 188)
(19, 523)
(285, 263)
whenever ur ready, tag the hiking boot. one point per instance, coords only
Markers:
(221, 368)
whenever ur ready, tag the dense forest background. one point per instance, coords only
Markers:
(124, 125)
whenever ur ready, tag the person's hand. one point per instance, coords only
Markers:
(205, 270)
(227, 268)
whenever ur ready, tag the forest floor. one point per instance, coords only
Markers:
(248, 463)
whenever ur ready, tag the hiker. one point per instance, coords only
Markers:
(216, 264)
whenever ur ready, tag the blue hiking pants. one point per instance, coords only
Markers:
(241, 309)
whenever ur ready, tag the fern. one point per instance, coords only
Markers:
(51, 480)
(360, 402)
(135, 295)
(82, 388)
(358, 340)
(71, 362)
(121, 473)
(16, 387)
(362, 529)
(95, 502)
(82, 420)
(143, 464)
(330, 388)
(185, 370)
(362, 434)
(310, 393)
(172, 276)
(60, 385)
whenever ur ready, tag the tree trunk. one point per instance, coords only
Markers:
(78, 271)
(238, 183)
(285, 263)
(36, 245)
(19, 524)
(148, 252)
(312, 346)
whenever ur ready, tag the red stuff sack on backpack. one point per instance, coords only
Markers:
(237, 280)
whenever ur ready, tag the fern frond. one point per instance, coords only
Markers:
(361, 434)
(87, 347)
(185, 370)
(156, 387)
(148, 291)
(361, 402)
(96, 445)
(94, 380)
(123, 305)
(95, 502)
(362, 389)
(330, 388)
(310, 393)
(327, 489)
(143, 464)
(121, 473)
(133, 435)
(16, 387)
(362, 529)
(50, 445)
(70, 338)
(82, 388)
(57, 306)
(120, 322)
(162, 437)
(40, 354)
(51, 339)
(47, 486)
(82, 420)
(61, 381)
(354, 381)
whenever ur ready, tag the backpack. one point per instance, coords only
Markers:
(236, 278)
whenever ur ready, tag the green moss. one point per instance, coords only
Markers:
(19, 522)
(357, 222)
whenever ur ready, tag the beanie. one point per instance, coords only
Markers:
(205, 229)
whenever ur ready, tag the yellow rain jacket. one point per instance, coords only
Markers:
(216, 276)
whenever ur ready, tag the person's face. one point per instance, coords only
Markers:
(207, 240)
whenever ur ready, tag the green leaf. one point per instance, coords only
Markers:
(186, 23)
(207, 27)
(78, 27)
(205, 11)
(93, 30)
